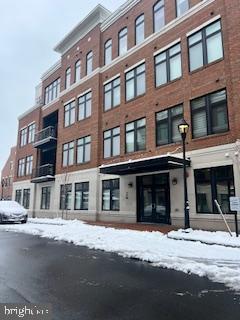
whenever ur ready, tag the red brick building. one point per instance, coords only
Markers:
(102, 141)
(7, 175)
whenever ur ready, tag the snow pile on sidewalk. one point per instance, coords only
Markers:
(218, 263)
(217, 237)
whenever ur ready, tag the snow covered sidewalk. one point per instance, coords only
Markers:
(218, 237)
(218, 263)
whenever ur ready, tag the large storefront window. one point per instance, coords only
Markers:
(110, 195)
(81, 196)
(214, 183)
(66, 197)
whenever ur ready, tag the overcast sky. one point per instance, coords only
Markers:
(29, 29)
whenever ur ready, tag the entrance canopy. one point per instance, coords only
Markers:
(160, 163)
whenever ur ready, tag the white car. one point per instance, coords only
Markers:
(12, 211)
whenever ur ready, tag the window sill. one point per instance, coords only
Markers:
(134, 152)
(111, 109)
(206, 66)
(135, 98)
(209, 136)
(167, 83)
(80, 120)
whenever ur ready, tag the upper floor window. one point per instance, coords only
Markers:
(65, 197)
(89, 63)
(168, 65)
(31, 132)
(111, 144)
(84, 149)
(181, 7)
(68, 154)
(139, 29)
(21, 167)
(85, 106)
(29, 165)
(214, 183)
(209, 114)
(81, 196)
(68, 78)
(135, 135)
(135, 82)
(69, 114)
(158, 16)
(205, 46)
(167, 122)
(52, 91)
(78, 71)
(108, 52)
(122, 41)
(112, 94)
(23, 137)
(110, 195)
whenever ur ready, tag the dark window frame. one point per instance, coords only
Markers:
(31, 132)
(113, 87)
(134, 78)
(68, 113)
(111, 188)
(155, 11)
(26, 198)
(18, 196)
(89, 58)
(68, 77)
(138, 24)
(52, 91)
(83, 144)
(86, 97)
(111, 138)
(67, 150)
(77, 70)
(176, 6)
(120, 37)
(135, 130)
(81, 187)
(106, 48)
(65, 190)
(45, 198)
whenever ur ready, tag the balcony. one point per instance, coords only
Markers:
(43, 173)
(45, 137)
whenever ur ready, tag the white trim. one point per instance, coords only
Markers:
(111, 79)
(135, 65)
(28, 111)
(203, 25)
(45, 106)
(84, 92)
(212, 164)
(173, 43)
(25, 127)
(51, 70)
(31, 123)
(69, 101)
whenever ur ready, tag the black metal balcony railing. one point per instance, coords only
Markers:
(49, 132)
(44, 171)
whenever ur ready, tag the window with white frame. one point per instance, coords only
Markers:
(84, 150)
(205, 46)
(168, 65)
(112, 94)
(158, 16)
(108, 52)
(123, 41)
(135, 82)
(69, 114)
(68, 154)
(85, 106)
(111, 142)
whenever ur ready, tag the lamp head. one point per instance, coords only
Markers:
(183, 127)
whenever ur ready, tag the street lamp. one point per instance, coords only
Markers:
(183, 128)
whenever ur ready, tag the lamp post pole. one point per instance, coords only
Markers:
(183, 130)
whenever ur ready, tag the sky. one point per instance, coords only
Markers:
(28, 32)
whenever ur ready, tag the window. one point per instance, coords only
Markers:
(181, 7)
(81, 196)
(122, 41)
(167, 122)
(21, 167)
(69, 114)
(168, 65)
(85, 106)
(31, 132)
(209, 114)
(52, 91)
(111, 142)
(68, 78)
(110, 195)
(65, 197)
(108, 52)
(68, 154)
(112, 94)
(29, 165)
(89, 63)
(84, 149)
(135, 82)
(45, 199)
(23, 137)
(205, 46)
(158, 16)
(78, 71)
(139, 29)
(26, 198)
(214, 183)
(18, 196)
(136, 135)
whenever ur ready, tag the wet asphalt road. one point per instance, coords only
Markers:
(83, 284)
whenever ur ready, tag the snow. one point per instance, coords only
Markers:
(217, 237)
(11, 207)
(218, 263)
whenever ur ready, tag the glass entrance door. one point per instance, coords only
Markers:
(153, 198)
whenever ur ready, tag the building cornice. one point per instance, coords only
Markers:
(51, 70)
